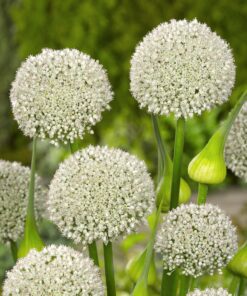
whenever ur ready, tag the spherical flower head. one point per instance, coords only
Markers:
(210, 292)
(236, 145)
(198, 239)
(57, 270)
(14, 183)
(60, 95)
(100, 193)
(182, 67)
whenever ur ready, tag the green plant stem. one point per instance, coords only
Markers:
(14, 250)
(226, 126)
(109, 270)
(160, 146)
(202, 193)
(177, 162)
(171, 281)
(185, 282)
(93, 254)
(234, 286)
(169, 284)
(31, 225)
(241, 288)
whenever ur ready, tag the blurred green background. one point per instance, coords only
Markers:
(109, 30)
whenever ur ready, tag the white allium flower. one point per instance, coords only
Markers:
(56, 270)
(100, 193)
(14, 183)
(60, 94)
(198, 239)
(210, 292)
(182, 67)
(236, 145)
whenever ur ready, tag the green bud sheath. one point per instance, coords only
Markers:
(32, 239)
(164, 188)
(208, 167)
(238, 264)
(141, 289)
(136, 265)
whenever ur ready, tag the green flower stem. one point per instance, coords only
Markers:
(162, 159)
(32, 239)
(14, 250)
(226, 126)
(234, 286)
(202, 193)
(93, 254)
(185, 282)
(241, 289)
(169, 284)
(177, 162)
(109, 270)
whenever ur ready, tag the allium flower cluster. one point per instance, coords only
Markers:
(100, 193)
(236, 145)
(57, 270)
(14, 183)
(182, 67)
(210, 292)
(196, 239)
(59, 94)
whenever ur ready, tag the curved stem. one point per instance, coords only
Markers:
(93, 254)
(177, 162)
(202, 193)
(109, 270)
(226, 126)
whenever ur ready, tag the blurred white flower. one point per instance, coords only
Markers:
(14, 183)
(56, 270)
(60, 95)
(236, 145)
(182, 67)
(210, 292)
(198, 239)
(100, 193)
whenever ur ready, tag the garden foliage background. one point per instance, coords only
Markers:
(109, 30)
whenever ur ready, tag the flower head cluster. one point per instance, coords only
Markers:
(210, 292)
(59, 94)
(100, 193)
(182, 67)
(236, 145)
(14, 182)
(57, 270)
(196, 239)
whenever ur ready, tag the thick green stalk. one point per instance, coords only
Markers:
(185, 282)
(109, 270)
(234, 286)
(169, 283)
(177, 162)
(241, 289)
(32, 239)
(14, 250)
(93, 254)
(202, 193)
